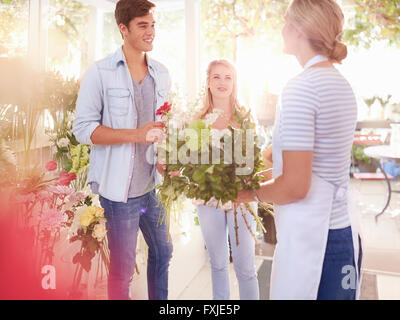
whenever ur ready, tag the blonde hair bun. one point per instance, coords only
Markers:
(339, 52)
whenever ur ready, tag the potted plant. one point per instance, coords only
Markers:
(362, 161)
(369, 102)
(384, 102)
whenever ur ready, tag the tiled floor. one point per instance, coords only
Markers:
(381, 245)
(201, 287)
(381, 239)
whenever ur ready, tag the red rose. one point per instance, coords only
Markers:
(72, 176)
(66, 178)
(164, 109)
(64, 181)
(51, 166)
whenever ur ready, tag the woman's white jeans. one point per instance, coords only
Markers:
(215, 226)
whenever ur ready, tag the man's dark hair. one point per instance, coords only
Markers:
(126, 10)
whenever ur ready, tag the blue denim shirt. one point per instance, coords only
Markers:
(106, 97)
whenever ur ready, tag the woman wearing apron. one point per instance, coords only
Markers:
(318, 253)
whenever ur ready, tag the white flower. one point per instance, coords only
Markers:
(76, 224)
(99, 231)
(68, 205)
(217, 135)
(178, 119)
(52, 136)
(87, 190)
(96, 201)
(210, 118)
(63, 142)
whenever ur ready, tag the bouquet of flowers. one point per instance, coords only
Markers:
(53, 211)
(89, 227)
(71, 156)
(206, 164)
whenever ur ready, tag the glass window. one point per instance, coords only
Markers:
(170, 41)
(67, 37)
(14, 22)
(112, 39)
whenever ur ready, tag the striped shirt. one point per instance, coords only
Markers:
(319, 114)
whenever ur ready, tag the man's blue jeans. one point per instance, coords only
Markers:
(123, 223)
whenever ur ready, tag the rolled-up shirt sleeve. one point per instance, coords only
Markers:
(299, 107)
(89, 106)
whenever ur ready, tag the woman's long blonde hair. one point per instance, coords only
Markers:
(207, 100)
(322, 22)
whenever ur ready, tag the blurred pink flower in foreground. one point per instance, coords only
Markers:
(51, 166)
(77, 197)
(66, 178)
(52, 219)
(44, 196)
(60, 190)
(25, 198)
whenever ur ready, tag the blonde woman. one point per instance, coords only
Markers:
(217, 224)
(318, 254)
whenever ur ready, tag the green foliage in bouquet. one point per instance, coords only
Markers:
(205, 181)
(217, 179)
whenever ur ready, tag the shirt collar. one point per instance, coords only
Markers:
(315, 60)
(120, 57)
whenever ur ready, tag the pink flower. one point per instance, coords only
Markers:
(44, 196)
(66, 178)
(52, 219)
(77, 197)
(60, 190)
(25, 198)
(51, 166)
(164, 109)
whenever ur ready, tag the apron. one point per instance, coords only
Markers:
(302, 232)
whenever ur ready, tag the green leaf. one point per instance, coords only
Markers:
(67, 164)
(199, 176)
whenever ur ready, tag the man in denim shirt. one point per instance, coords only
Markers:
(116, 114)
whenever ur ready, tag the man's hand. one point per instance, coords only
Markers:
(161, 167)
(150, 133)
